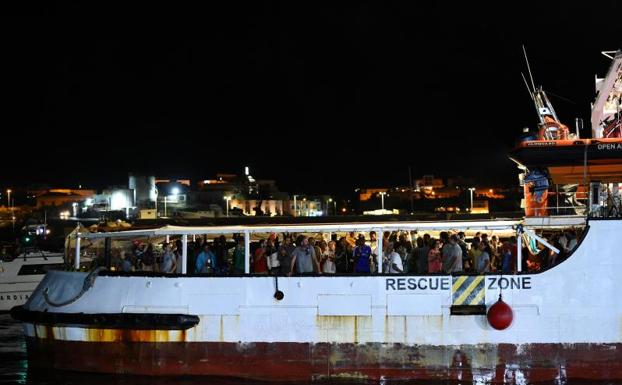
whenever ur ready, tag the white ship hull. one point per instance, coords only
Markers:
(567, 322)
(17, 284)
(15, 294)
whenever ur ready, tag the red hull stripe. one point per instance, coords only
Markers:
(304, 361)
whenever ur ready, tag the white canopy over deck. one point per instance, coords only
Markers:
(311, 227)
(513, 226)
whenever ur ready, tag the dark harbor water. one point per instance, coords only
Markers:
(14, 369)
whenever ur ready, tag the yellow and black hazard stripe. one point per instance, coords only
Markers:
(468, 290)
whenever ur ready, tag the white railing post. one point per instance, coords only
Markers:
(379, 239)
(184, 254)
(77, 260)
(519, 249)
(247, 252)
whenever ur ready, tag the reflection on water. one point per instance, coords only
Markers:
(13, 364)
(14, 369)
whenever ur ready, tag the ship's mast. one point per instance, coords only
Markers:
(549, 128)
(607, 108)
(544, 108)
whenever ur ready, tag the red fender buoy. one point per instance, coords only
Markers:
(500, 315)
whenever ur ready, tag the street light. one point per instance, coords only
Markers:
(471, 189)
(227, 198)
(382, 194)
(155, 191)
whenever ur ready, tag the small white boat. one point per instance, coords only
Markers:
(20, 276)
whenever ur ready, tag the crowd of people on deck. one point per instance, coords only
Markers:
(403, 253)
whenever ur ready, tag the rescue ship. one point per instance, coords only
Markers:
(557, 324)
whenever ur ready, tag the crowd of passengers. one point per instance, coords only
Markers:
(352, 254)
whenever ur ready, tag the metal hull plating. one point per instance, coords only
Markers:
(567, 323)
(503, 363)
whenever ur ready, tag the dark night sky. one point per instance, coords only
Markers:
(321, 98)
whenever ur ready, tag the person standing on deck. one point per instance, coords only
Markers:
(260, 261)
(220, 251)
(178, 251)
(465, 252)
(394, 261)
(373, 241)
(495, 256)
(272, 255)
(194, 249)
(420, 257)
(474, 253)
(303, 257)
(148, 259)
(373, 244)
(343, 256)
(427, 240)
(362, 256)
(125, 265)
(239, 255)
(351, 239)
(404, 248)
(285, 255)
(435, 262)
(445, 249)
(506, 257)
(205, 260)
(314, 245)
(168, 264)
(483, 261)
(452, 256)
(328, 257)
